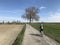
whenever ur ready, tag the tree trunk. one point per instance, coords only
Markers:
(30, 18)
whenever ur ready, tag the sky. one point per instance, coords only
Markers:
(12, 10)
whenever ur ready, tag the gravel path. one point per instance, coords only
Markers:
(8, 33)
(32, 37)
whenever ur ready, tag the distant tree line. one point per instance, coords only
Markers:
(8, 22)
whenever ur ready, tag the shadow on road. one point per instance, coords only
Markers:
(39, 35)
(35, 35)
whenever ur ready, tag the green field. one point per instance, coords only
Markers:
(50, 29)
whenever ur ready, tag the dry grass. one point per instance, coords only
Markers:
(8, 33)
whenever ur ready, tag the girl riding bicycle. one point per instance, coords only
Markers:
(41, 29)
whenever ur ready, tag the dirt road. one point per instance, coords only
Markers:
(8, 33)
(32, 37)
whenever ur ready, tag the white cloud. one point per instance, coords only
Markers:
(4, 18)
(53, 17)
(42, 8)
(10, 19)
(8, 11)
(11, 11)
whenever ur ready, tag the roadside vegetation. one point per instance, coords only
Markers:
(50, 29)
(19, 39)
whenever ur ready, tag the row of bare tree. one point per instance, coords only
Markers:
(13, 22)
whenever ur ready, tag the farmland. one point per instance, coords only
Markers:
(50, 29)
(8, 33)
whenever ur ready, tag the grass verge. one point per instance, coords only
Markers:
(52, 30)
(19, 39)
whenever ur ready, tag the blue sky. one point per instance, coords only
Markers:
(13, 9)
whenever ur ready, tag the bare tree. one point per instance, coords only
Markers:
(31, 14)
(3, 22)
